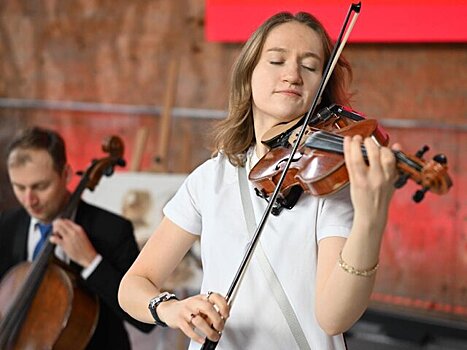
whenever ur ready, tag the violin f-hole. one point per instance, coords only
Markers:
(296, 158)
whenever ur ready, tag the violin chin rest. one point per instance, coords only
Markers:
(278, 130)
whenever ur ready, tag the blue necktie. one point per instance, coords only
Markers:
(44, 230)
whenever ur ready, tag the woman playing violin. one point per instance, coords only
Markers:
(324, 251)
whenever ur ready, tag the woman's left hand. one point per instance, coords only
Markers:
(371, 180)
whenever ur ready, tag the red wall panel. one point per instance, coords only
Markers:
(380, 20)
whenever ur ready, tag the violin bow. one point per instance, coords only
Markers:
(353, 12)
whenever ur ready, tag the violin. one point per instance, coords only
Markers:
(318, 166)
(42, 304)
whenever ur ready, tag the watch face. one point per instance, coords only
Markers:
(164, 296)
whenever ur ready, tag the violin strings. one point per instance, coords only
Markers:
(329, 137)
(338, 140)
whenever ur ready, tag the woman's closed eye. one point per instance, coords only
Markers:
(310, 68)
(307, 67)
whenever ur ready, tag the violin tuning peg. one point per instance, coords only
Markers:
(422, 151)
(419, 195)
(440, 158)
(401, 181)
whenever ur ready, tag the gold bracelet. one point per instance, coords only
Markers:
(352, 270)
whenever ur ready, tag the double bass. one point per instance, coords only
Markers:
(42, 304)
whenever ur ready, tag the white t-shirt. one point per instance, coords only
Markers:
(209, 204)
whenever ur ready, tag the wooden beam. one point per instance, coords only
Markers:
(161, 158)
(139, 148)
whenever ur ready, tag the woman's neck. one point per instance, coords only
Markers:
(261, 126)
(260, 149)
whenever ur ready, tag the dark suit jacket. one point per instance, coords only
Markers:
(112, 236)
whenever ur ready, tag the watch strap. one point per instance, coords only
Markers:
(155, 302)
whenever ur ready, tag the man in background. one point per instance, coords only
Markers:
(98, 245)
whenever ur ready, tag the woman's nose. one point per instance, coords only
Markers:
(292, 74)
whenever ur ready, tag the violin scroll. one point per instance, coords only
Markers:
(432, 175)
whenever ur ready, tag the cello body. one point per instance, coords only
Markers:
(62, 315)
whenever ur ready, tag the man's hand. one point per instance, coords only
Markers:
(74, 241)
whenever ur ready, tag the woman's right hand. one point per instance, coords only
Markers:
(205, 312)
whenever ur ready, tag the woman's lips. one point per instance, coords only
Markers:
(290, 92)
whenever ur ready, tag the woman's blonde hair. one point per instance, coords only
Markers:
(235, 134)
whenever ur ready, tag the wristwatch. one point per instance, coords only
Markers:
(154, 303)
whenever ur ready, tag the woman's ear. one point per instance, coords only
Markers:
(67, 173)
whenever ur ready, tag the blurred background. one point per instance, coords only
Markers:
(156, 73)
